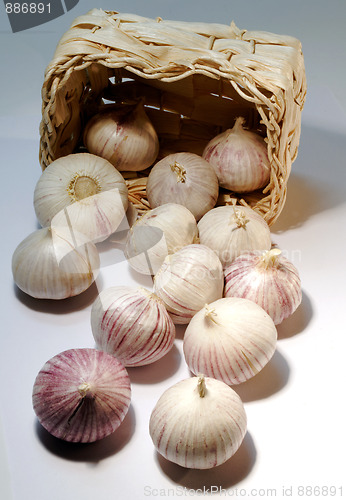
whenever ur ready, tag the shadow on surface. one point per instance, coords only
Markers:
(158, 371)
(89, 452)
(224, 476)
(62, 306)
(270, 380)
(317, 180)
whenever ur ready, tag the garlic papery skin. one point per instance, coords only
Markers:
(81, 395)
(269, 279)
(239, 158)
(124, 136)
(198, 423)
(184, 178)
(230, 231)
(187, 280)
(231, 339)
(158, 233)
(84, 192)
(53, 264)
(132, 324)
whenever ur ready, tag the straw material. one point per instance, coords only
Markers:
(195, 78)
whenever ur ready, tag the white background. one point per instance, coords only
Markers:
(295, 406)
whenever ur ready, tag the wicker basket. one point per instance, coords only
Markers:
(195, 78)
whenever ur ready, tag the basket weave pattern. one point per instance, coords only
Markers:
(195, 79)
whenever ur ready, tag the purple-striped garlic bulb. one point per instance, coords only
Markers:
(187, 280)
(269, 279)
(240, 158)
(198, 423)
(231, 339)
(81, 395)
(230, 231)
(132, 324)
(124, 135)
(184, 178)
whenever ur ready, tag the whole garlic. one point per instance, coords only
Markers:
(231, 339)
(187, 280)
(230, 231)
(267, 278)
(184, 178)
(124, 135)
(53, 264)
(81, 395)
(198, 423)
(84, 192)
(132, 324)
(239, 158)
(158, 233)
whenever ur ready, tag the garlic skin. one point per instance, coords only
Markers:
(187, 280)
(53, 264)
(230, 231)
(84, 192)
(198, 423)
(158, 233)
(184, 178)
(239, 158)
(231, 339)
(267, 278)
(124, 136)
(132, 324)
(81, 395)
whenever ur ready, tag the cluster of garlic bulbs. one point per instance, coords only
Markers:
(213, 268)
(79, 200)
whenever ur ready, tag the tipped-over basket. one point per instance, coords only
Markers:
(195, 79)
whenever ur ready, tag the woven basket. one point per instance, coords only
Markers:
(195, 78)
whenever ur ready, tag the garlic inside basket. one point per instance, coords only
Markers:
(194, 79)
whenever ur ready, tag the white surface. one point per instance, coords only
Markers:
(295, 406)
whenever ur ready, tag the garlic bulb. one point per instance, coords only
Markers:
(198, 423)
(81, 395)
(231, 339)
(187, 280)
(239, 158)
(158, 233)
(132, 324)
(230, 231)
(52, 264)
(267, 278)
(184, 178)
(124, 135)
(84, 192)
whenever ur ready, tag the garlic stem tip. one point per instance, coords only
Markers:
(84, 389)
(269, 258)
(180, 171)
(201, 386)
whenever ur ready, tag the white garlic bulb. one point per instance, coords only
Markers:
(184, 178)
(158, 233)
(230, 231)
(269, 279)
(81, 395)
(198, 423)
(124, 135)
(239, 158)
(187, 280)
(132, 324)
(83, 192)
(231, 339)
(53, 264)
